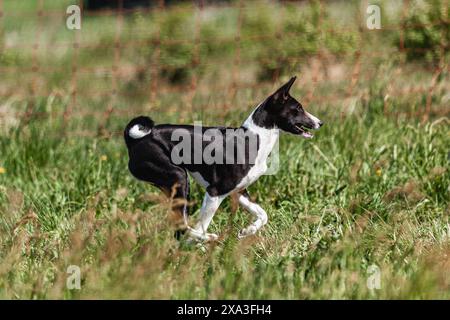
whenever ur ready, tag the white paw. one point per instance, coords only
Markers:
(247, 232)
(211, 237)
(195, 235)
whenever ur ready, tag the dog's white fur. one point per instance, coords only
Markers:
(137, 133)
(257, 212)
(314, 119)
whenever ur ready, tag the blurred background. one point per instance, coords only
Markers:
(182, 57)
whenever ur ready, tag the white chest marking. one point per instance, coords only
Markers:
(267, 140)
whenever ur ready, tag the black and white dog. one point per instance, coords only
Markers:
(151, 151)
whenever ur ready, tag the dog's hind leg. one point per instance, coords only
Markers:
(179, 195)
(209, 207)
(256, 211)
(173, 181)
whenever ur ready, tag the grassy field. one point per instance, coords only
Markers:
(370, 191)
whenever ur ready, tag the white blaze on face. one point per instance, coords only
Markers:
(137, 132)
(316, 121)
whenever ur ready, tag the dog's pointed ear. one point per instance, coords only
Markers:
(283, 91)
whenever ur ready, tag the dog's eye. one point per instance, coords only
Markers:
(295, 111)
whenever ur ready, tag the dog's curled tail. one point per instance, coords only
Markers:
(138, 128)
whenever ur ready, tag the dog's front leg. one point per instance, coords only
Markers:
(257, 212)
(209, 207)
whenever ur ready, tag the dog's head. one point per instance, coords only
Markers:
(282, 111)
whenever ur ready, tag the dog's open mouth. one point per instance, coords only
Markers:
(304, 132)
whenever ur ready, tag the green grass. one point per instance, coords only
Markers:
(371, 189)
(361, 193)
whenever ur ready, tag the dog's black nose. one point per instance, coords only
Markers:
(320, 124)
